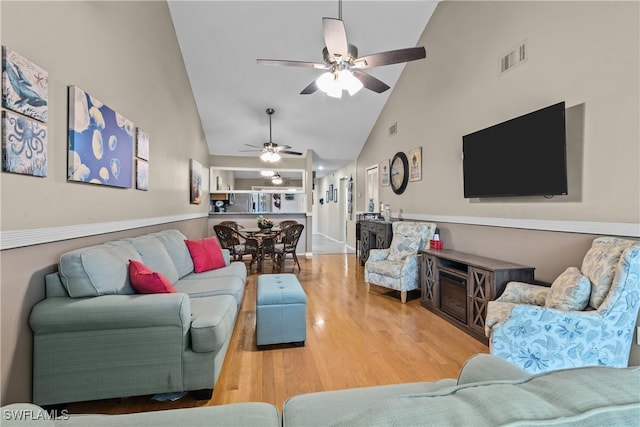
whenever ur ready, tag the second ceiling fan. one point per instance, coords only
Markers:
(343, 66)
(270, 150)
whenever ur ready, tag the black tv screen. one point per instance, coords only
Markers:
(524, 156)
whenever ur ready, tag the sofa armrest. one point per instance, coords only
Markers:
(540, 339)
(524, 293)
(227, 256)
(378, 254)
(64, 314)
(485, 367)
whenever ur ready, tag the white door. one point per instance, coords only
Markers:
(372, 201)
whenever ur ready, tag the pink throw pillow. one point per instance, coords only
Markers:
(206, 254)
(146, 281)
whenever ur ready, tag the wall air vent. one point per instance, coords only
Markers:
(393, 129)
(513, 58)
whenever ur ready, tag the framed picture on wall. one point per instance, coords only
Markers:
(142, 144)
(415, 164)
(384, 173)
(335, 195)
(327, 198)
(100, 149)
(142, 175)
(195, 182)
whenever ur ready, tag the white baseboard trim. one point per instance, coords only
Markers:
(21, 238)
(584, 227)
(330, 238)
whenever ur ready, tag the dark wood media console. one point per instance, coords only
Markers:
(458, 286)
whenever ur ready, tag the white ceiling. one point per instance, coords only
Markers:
(221, 40)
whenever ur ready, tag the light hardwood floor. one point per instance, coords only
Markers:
(354, 339)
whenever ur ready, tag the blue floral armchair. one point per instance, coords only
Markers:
(397, 267)
(586, 317)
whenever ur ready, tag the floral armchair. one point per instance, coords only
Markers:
(586, 317)
(397, 267)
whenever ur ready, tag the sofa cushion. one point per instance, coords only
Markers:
(570, 291)
(386, 268)
(233, 414)
(155, 256)
(97, 270)
(235, 269)
(146, 281)
(599, 265)
(323, 408)
(212, 321)
(403, 246)
(594, 396)
(206, 254)
(211, 285)
(173, 241)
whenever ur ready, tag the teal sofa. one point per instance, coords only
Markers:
(488, 392)
(95, 338)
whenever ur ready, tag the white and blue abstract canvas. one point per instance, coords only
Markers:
(100, 142)
(25, 86)
(142, 174)
(24, 145)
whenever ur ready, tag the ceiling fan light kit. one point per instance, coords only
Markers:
(276, 179)
(267, 172)
(344, 67)
(270, 156)
(333, 83)
(270, 150)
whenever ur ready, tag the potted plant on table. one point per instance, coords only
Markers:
(264, 223)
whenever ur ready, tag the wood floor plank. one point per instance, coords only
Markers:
(354, 339)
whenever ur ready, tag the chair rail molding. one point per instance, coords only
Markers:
(582, 227)
(21, 238)
(624, 229)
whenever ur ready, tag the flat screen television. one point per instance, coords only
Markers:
(524, 156)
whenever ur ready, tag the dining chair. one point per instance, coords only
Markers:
(282, 225)
(232, 224)
(268, 250)
(237, 244)
(290, 237)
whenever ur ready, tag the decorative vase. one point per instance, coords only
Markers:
(387, 213)
(265, 226)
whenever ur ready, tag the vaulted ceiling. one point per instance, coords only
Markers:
(221, 40)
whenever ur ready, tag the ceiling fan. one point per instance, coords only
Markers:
(344, 67)
(270, 150)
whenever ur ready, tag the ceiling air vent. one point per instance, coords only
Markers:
(393, 129)
(515, 57)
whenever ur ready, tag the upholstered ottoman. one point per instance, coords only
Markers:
(281, 310)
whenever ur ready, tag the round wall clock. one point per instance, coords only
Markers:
(399, 172)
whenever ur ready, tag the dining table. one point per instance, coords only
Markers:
(261, 234)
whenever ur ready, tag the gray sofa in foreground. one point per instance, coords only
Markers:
(488, 392)
(95, 338)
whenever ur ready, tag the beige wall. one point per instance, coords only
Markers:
(126, 55)
(583, 53)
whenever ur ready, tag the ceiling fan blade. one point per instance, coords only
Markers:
(370, 82)
(247, 151)
(254, 146)
(335, 37)
(391, 57)
(279, 147)
(310, 89)
(290, 152)
(293, 63)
